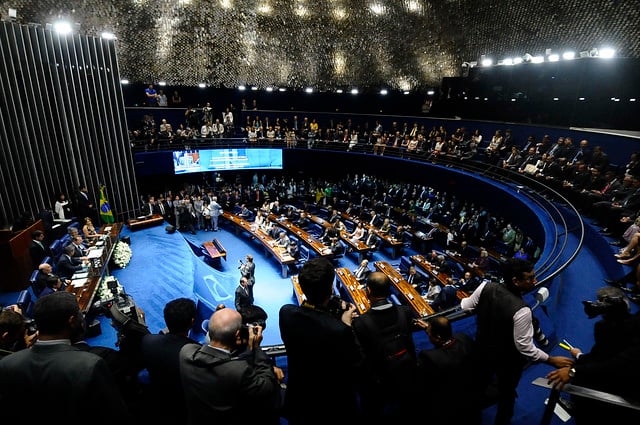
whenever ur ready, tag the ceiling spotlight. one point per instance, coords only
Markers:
(269, 89)
(339, 91)
(607, 53)
(354, 91)
(308, 90)
(124, 81)
(568, 55)
(62, 27)
(431, 92)
(108, 35)
(486, 62)
(554, 57)
(517, 60)
(384, 92)
(241, 88)
(537, 59)
(254, 88)
(405, 92)
(162, 83)
(282, 89)
(507, 61)
(202, 85)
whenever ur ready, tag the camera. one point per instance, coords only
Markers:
(611, 306)
(244, 330)
(336, 306)
(30, 326)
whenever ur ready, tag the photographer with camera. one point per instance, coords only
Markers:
(611, 365)
(223, 387)
(322, 352)
(248, 270)
(16, 332)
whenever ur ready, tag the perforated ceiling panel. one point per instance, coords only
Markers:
(399, 44)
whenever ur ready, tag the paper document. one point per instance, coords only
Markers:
(76, 283)
(80, 275)
(95, 253)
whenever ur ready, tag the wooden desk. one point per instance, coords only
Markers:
(353, 288)
(215, 249)
(267, 241)
(321, 249)
(464, 262)
(426, 266)
(297, 291)
(15, 259)
(143, 222)
(387, 239)
(85, 294)
(408, 292)
(358, 246)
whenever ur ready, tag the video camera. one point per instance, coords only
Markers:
(122, 310)
(606, 306)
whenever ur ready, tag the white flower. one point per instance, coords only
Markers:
(121, 254)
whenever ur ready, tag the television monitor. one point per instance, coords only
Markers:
(202, 160)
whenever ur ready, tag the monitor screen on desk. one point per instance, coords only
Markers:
(202, 160)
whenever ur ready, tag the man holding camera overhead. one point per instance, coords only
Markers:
(248, 271)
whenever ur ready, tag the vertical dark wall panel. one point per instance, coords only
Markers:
(62, 122)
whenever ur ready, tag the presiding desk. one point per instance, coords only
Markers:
(215, 249)
(99, 268)
(408, 292)
(145, 221)
(353, 288)
(267, 241)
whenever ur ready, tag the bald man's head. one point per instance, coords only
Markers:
(224, 328)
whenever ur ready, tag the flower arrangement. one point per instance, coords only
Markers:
(121, 254)
(106, 293)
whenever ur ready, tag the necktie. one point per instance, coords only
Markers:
(161, 209)
(410, 278)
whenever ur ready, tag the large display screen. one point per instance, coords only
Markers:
(202, 160)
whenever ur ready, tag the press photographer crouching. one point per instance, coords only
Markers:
(612, 365)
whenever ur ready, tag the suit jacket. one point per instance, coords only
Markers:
(248, 270)
(160, 355)
(84, 379)
(38, 251)
(361, 273)
(322, 354)
(67, 266)
(452, 366)
(225, 389)
(243, 297)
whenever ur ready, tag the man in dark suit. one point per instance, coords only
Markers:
(248, 270)
(160, 355)
(451, 364)
(362, 272)
(68, 264)
(386, 395)
(223, 387)
(38, 250)
(243, 296)
(83, 205)
(149, 207)
(322, 351)
(83, 378)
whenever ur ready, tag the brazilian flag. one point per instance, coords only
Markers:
(105, 209)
